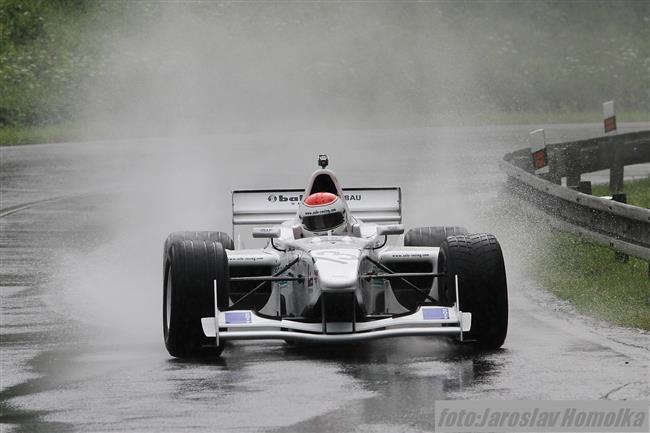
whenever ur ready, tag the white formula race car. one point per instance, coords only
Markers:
(327, 274)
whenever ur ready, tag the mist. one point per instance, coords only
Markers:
(206, 67)
(201, 67)
(244, 95)
(153, 112)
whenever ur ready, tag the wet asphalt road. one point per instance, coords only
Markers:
(82, 228)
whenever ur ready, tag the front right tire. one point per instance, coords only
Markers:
(477, 259)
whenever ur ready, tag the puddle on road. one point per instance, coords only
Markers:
(254, 386)
(404, 377)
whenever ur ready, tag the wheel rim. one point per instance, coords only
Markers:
(168, 300)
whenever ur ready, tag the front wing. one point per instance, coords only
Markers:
(247, 325)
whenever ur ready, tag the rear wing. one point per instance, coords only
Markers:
(260, 208)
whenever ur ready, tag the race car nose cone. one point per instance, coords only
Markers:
(338, 282)
(337, 269)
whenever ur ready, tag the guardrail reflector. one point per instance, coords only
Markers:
(435, 313)
(539, 159)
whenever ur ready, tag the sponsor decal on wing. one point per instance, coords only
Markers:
(435, 313)
(237, 317)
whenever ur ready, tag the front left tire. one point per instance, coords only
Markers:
(190, 269)
(431, 236)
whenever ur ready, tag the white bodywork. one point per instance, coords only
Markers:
(307, 270)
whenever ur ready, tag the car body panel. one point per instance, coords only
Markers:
(331, 288)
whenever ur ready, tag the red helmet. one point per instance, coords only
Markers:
(322, 211)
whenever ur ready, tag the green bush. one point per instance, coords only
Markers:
(45, 58)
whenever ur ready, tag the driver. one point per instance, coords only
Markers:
(323, 212)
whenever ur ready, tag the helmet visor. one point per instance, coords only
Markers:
(317, 223)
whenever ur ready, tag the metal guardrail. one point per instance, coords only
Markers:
(622, 227)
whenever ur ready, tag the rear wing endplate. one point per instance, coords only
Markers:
(260, 208)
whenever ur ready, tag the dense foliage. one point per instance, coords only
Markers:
(42, 59)
(364, 58)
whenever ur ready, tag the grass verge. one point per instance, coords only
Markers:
(637, 191)
(597, 284)
(13, 136)
(64, 132)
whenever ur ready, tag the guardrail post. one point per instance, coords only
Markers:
(620, 197)
(619, 227)
(617, 165)
(584, 186)
(572, 165)
(553, 169)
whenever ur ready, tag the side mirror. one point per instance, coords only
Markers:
(393, 229)
(266, 232)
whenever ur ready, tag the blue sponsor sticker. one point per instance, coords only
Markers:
(235, 317)
(436, 313)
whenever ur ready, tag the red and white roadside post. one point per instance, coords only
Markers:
(538, 153)
(617, 163)
(609, 117)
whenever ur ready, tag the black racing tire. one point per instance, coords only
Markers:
(221, 237)
(477, 259)
(431, 236)
(190, 268)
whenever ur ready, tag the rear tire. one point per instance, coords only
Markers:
(190, 268)
(431, 236)
(221, 237)
(477, 259)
